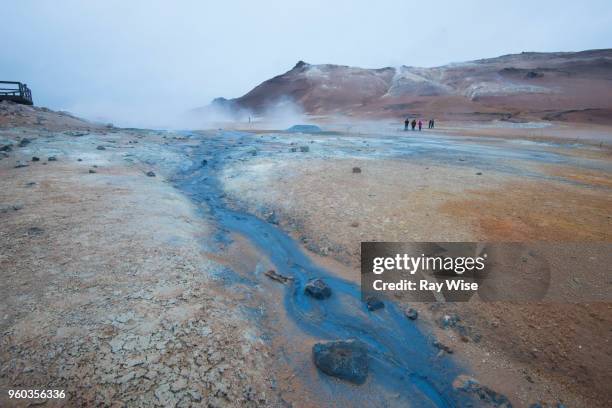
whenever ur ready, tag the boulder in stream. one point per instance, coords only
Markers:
(344, 359)
(373, 303)
(318, 289)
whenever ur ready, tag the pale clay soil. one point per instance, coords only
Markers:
(107, 293)
(549, 352)
(111, 291)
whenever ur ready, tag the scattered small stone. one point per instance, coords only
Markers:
(35, 159)
(24, 142)
(150, 174)
(91, 171)
(20, 165)
(6, 148)
(101, 148)
(447, 321)
(272, 274)
(354, 224)
(318, 289)
(484, 393)
(356, 169)
(293, 149)
(344, 359)
(373, 303)
(80, 160)
(443, 347)
(272, 218)
(30, 184)
(35, 231)
(204, 162)
(412, 314)
(304, 149)
(479, 174)
(52, 158)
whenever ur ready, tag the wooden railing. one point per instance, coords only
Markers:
(16, 92)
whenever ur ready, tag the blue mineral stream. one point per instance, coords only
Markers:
(405, 369)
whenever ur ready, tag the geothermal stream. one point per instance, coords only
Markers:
(405, 369)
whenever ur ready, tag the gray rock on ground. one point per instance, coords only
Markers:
(318, 289)
(344, 359)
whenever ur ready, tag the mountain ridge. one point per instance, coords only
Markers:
(514, 86)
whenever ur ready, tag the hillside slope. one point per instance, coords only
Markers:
(574, 86)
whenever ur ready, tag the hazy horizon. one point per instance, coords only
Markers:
(143, 63)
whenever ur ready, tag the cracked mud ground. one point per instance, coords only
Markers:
(106, 292)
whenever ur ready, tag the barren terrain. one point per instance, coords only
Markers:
(135, 263)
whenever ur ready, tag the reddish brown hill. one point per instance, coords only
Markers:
(574, 86)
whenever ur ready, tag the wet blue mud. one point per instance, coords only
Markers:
(405, 368)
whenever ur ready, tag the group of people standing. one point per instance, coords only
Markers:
(414, 124)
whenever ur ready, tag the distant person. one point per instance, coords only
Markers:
(420, 124)
(413, 123)
(406, 124)
(431, 123)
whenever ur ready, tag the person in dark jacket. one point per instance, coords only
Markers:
(413, 123)
(406, 124)
(420, 125)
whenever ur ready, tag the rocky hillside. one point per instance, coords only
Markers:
(575, 86)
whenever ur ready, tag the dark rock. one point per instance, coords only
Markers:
(21, 165)
(373, 303)
(52, 158)
(35, 159)
(304, 149)
(35, 231)
(76, 133)
(354, 224)
(272, 274)
(443, 347)
(533, 75)
(272, 218)
(204, 162)
(24, 142)
(479, 174)
(412, 314)
(150, 174)
(484, 393)
(344, 359)
(30, 184)
(92, 171)
(546, 405)
(101, 148)
(317, 289)
(293, 149)
(6, 148)
(79, 159)
(356, 169)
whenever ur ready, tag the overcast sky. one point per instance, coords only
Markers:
(136, 62)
